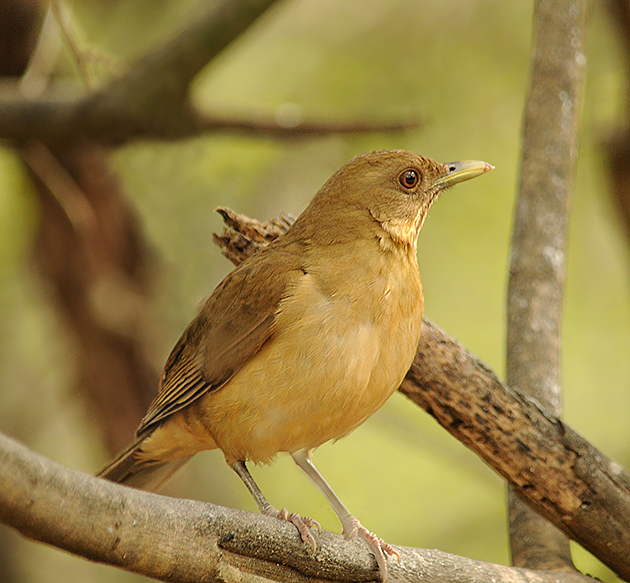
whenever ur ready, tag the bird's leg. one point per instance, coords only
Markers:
(303, 524)
(351, 526)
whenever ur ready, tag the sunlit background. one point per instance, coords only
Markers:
(459, 66)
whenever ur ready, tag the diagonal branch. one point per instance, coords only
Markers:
(183, 541)
(557, 471)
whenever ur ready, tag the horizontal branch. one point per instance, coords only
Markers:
(74, 119)
(271, 128)
(185, 541)
(152, 99)
(555, 470)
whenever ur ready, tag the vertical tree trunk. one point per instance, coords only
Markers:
(539, 245)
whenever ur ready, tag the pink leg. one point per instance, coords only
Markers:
(351, 526)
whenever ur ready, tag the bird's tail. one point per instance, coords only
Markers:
(132, 469)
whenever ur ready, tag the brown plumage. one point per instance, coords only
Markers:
(306, 339)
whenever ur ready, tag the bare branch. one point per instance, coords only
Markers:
(185, 541)
(272, 128)
(538, 257)
(555, 470)
(152, 99)
(103, 122)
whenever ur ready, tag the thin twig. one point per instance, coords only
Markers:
(62, 16)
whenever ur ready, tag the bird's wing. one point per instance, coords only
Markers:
(231, 327)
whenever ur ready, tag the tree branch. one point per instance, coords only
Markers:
(539, 246)
(271, 128)
(152, 99)
(556, 471)
(99, 272)
(188, 542)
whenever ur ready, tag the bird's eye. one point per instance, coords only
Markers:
(409, 178)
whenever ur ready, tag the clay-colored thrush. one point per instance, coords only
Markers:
(306, 339)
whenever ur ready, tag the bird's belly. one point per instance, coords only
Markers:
(311, 383)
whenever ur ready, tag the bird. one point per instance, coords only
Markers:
(303, 341)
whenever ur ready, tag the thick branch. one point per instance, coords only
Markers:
(98, 271)
(554, 469)
(189, 542)
(537, 269)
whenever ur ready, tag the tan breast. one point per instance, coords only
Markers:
(333, 361)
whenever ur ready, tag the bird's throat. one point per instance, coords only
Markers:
(402, 234)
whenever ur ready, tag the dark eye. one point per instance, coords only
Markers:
(409, 178)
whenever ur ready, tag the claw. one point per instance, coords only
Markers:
(353, 529)
(351, 526)
(302, 523)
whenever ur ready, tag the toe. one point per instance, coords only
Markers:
(382, 550)
(303, 524)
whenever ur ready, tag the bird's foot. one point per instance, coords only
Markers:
(352, 528)
(302, 523)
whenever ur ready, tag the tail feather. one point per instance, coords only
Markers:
(130, 469)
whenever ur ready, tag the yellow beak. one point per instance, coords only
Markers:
(460, 171)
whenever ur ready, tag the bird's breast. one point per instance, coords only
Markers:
(334, 359)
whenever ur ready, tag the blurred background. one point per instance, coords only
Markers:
(460, 67)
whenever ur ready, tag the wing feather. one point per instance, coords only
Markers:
(236, 320)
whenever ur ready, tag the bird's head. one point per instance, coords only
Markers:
(393, 189)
